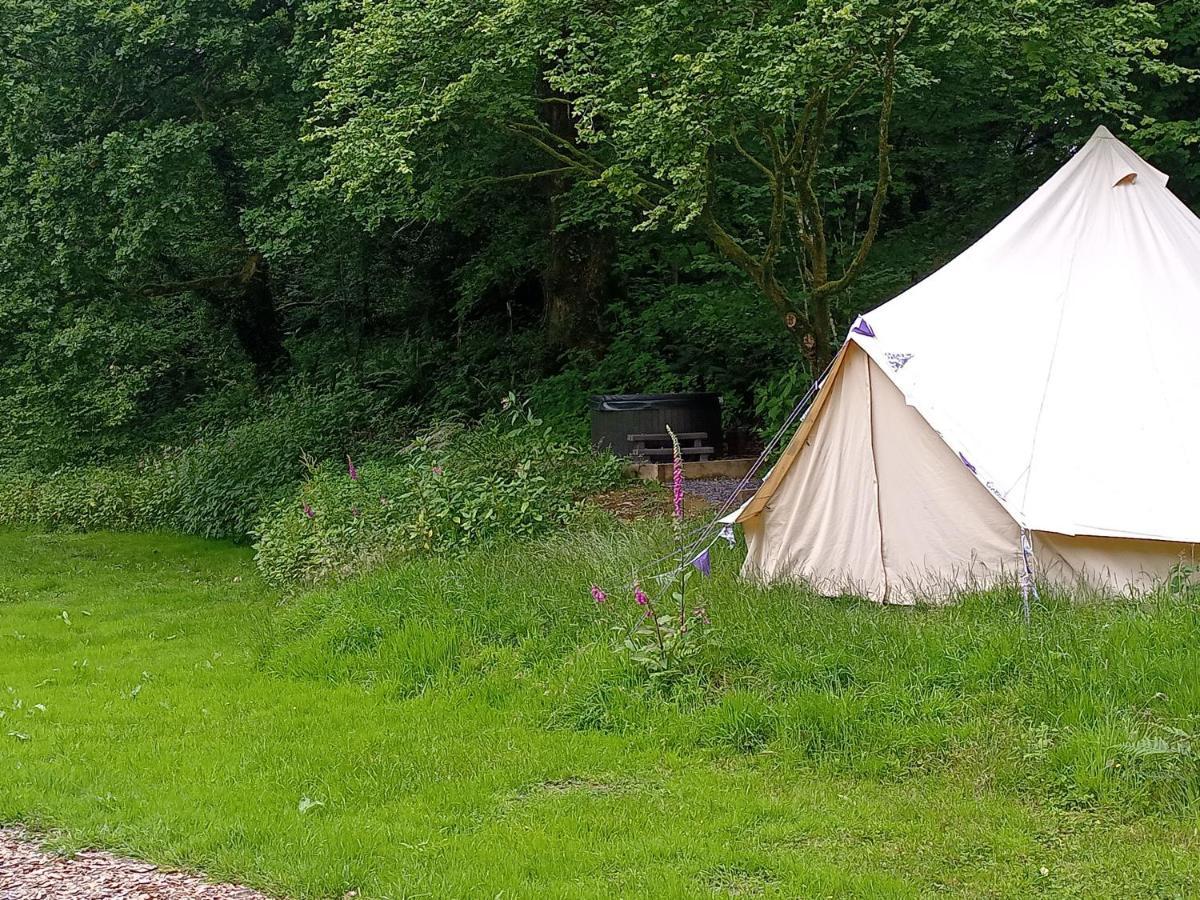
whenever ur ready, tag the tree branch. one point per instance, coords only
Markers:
(881, 185)
(811, 221)
(207, 283)
(754, 160)
(529, 176)
(573, 157)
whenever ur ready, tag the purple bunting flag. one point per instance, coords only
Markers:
(862, 327)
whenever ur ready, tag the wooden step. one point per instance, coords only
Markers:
(667, 452)
(683, 436)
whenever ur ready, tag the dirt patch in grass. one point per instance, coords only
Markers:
(648, 500)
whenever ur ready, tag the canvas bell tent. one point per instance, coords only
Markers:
(1028, 409)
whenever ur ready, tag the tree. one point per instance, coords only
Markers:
(764, 126)
(139, 133)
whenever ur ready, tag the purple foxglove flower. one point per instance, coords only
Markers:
(351, 469)
(703, 564)
(308, 511)
(676, 476)
(598, 594)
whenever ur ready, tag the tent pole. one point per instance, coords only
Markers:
(1028, 585)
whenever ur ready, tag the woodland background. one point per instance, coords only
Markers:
(271, 226)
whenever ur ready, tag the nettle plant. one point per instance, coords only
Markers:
(669, 631)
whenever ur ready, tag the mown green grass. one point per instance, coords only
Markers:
(462, 728)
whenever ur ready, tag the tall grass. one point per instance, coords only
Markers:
(462, 727)
(1073, 707)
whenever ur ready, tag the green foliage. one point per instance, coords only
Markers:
(215, 485)
(451, 489)
(670, 631)
(82, 499)
(777, 397)
(664, 645)
(220, 484)
(761, 128)
(1165, 760)
(205, 199)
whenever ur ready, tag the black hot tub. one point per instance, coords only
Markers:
(616, 416)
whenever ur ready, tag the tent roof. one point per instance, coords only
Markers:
(1060, 354)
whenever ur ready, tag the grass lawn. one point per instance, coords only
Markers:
(462, 729)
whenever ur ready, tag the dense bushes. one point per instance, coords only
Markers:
(283, 478)
(454, 487)
(215, 485)
(220, 485)
(93, 498)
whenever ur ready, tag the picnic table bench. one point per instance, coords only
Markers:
(658, 446)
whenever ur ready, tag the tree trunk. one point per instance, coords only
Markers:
(250, 306)
(820, 344)
(574, 285)
(813, 331)
(576, 278)
(255, 322)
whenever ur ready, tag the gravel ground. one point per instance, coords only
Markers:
(27, 872)
(717, 490)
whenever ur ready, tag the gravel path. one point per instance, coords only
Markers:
(717, 490)
(27, 872)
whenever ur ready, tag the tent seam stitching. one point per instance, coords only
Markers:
(1064, 295)
(875, 470)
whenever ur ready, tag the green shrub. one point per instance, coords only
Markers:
(451, 489)
(94, 498)
(218, 485)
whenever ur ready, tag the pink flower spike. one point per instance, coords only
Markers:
(308, 511)
(676, 475)
(640, 596)
(351, 469)
(598, 594)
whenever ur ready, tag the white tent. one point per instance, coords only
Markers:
(1028, 407)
